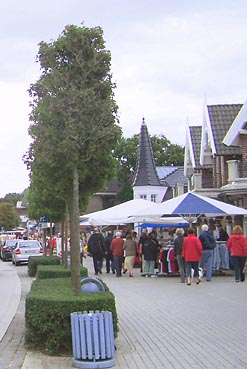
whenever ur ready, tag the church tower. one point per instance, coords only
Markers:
(146, 183)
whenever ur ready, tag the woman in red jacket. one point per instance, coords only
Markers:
(192, 253)
(237, 246)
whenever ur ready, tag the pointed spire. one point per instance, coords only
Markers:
(146, 174)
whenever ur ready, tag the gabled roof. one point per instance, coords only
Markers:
(232, 136)
(221, 118)
(146, 174)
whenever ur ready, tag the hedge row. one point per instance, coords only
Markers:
(48, 307)
(57, 271)
(34, 261)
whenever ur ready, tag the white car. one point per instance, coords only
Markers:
(24, 249)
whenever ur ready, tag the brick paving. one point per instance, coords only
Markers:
(164, 324)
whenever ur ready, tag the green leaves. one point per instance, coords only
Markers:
(74, 115)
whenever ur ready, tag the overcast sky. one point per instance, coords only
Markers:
(167, 57)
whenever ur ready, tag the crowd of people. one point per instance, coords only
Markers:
(193, 254)
(122, 251)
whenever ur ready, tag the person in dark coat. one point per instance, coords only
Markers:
(150, 252)
(223, 235)
(223, 253)
(109, 255)
(96, 247)
(178, 246)
(208, 245)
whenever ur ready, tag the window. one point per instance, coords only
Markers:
(144, 197)
(153, 197)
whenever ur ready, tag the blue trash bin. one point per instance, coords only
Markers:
(93, 339)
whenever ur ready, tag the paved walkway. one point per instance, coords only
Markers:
(163, 324)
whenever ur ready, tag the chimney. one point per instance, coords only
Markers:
(233, 172)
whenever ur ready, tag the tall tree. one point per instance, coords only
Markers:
(75, 124)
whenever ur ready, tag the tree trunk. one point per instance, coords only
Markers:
(50, 242)
(75, 234)
(65, 237)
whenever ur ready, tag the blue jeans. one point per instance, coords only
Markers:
(207, 260)
(223, 253)
(149, 267)
(109, 263)
(118, 261)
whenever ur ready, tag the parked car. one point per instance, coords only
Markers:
(24, 249)
(7, 248)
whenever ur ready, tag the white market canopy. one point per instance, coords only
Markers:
(121, 214)
(116, 215)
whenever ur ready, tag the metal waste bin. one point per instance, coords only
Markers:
(93, 339)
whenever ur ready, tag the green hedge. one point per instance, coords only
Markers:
(48, 307)
(57, 271)
(34, 261)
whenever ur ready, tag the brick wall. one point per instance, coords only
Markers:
(207, 178)
(245, 201)
(217, 172)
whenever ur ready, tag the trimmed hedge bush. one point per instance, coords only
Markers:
(48, 307)
(57, 271)
(34, 261)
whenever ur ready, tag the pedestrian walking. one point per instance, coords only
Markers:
(192, 252)
(82, 255)
(117, 250)
(208, 245)
(143, 238)
(150, 252)
(109, 259)
(178, 246)
(237, 246)
(223, 253)
(129, 248)
(96, 247)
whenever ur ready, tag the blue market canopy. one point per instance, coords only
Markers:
(190, 206)
(163, 225)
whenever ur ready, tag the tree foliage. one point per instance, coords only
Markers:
(74, 125)
(12, 198)
(8, 216)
